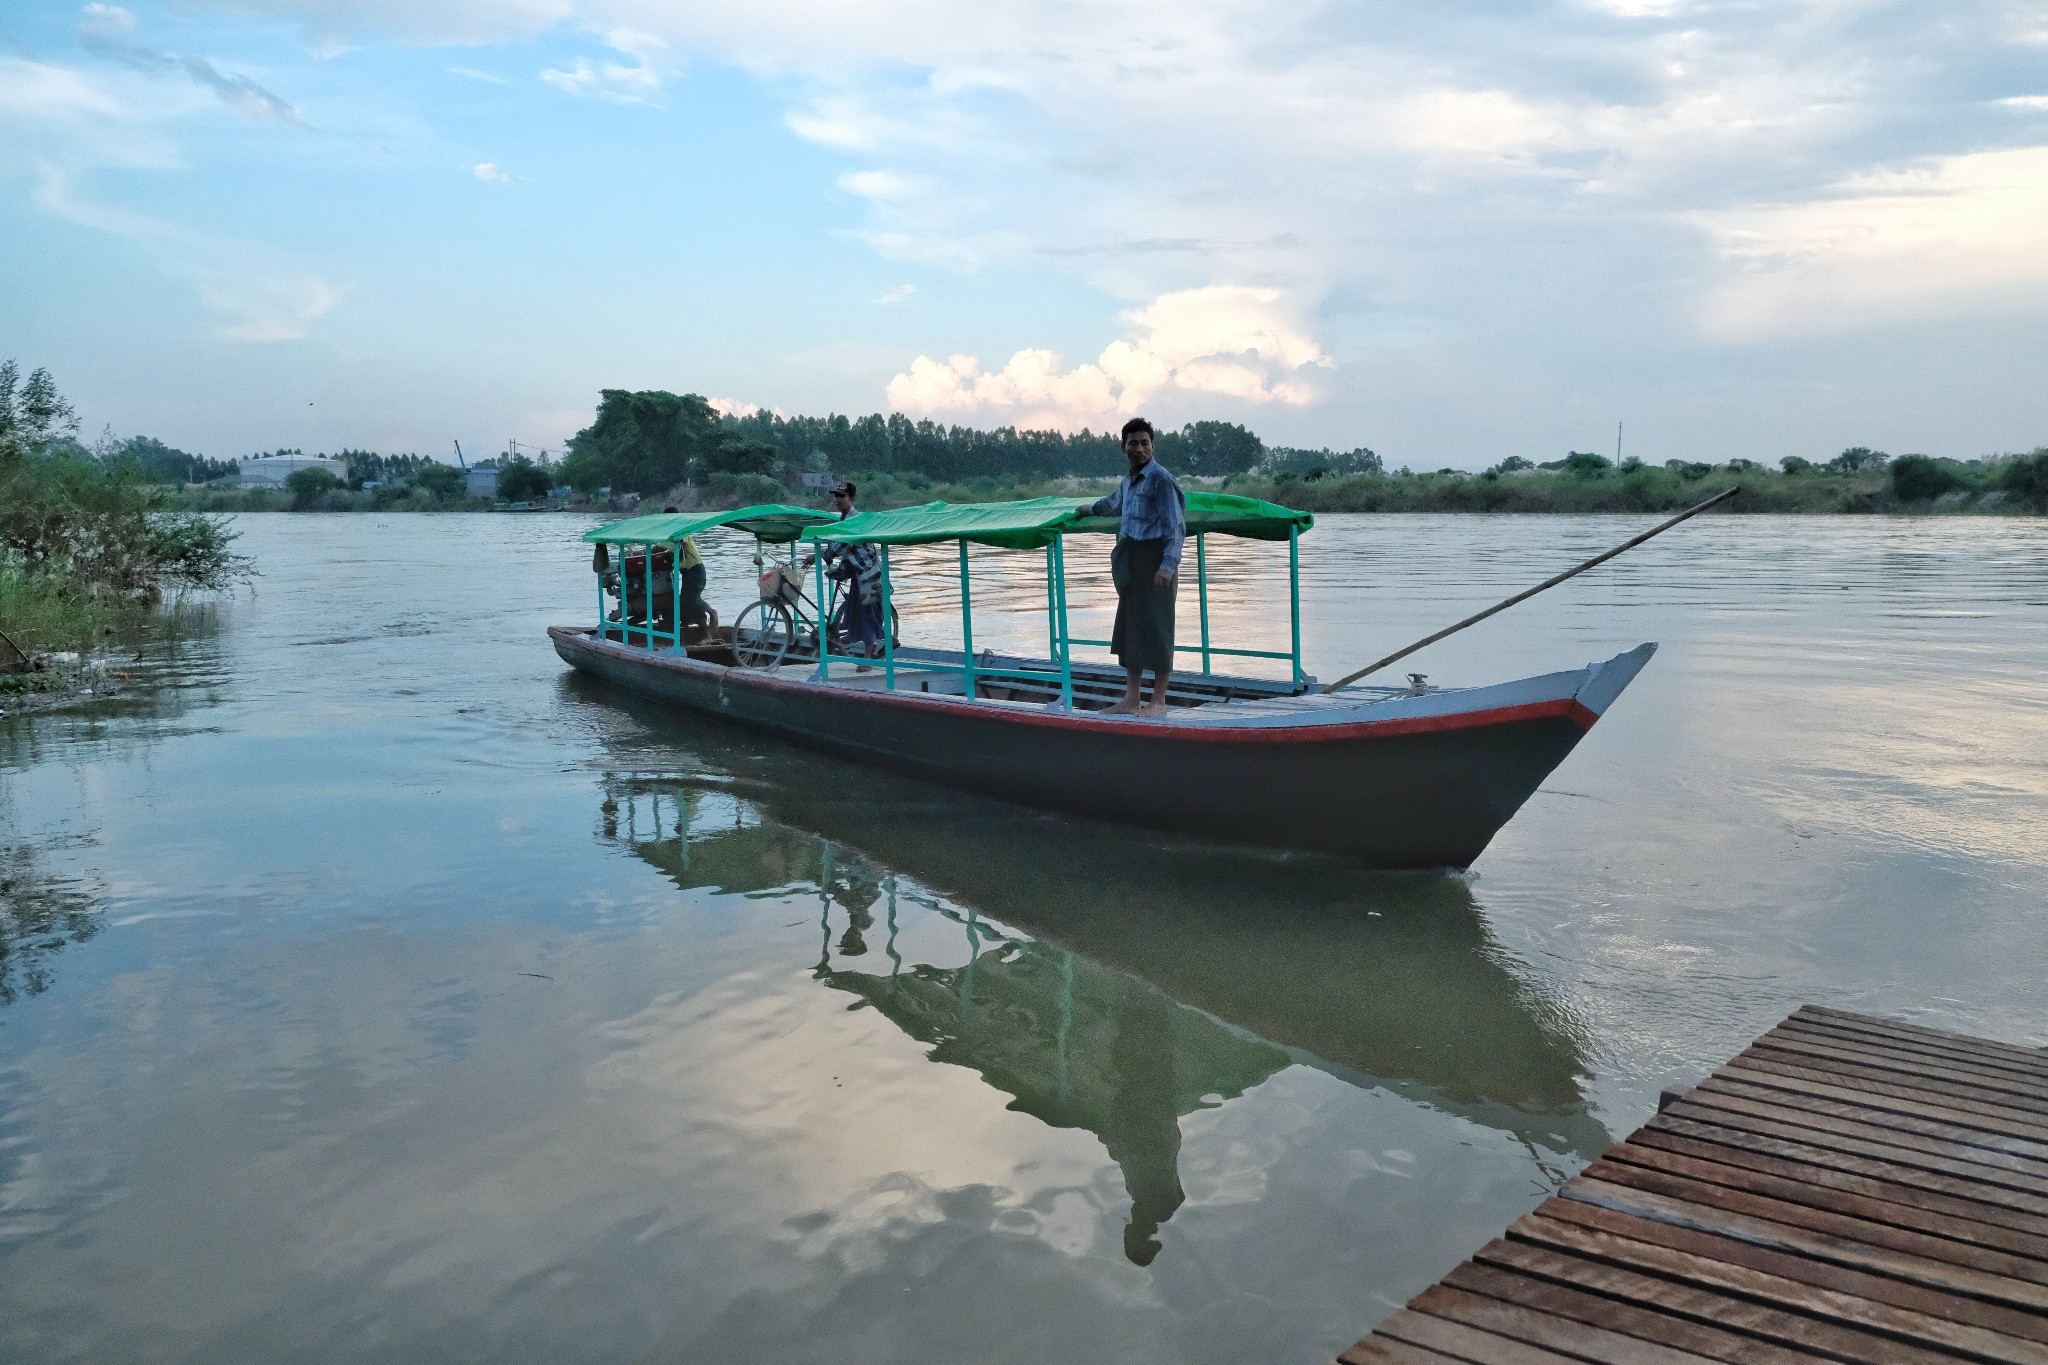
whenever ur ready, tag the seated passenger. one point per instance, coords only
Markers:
(696, 611)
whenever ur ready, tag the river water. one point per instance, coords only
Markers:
(376, 989)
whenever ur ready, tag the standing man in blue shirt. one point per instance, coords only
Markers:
(1152, 524)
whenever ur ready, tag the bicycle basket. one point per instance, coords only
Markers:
(780, 585)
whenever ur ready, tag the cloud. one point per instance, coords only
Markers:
(35, 90)
(1538, 188)
(1638, 9)
(613, 81)
(734, 407)
(265, 307)
(105, 33)
(240, 93)
(471, 73)
(879, 184)
(261, 295)
(1944, 236)
(491, 173)
(897, 293)
(1230, 341)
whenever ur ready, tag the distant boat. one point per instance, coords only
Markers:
(1388, 777)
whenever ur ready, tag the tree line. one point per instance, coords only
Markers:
(88, 541)
(650, 441)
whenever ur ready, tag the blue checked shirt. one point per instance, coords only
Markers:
(1150, 506)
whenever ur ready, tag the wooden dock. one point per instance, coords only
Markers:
(1848, 1189)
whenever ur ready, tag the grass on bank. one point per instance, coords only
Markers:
(39, 615)
(1910, 484)
(87, 546)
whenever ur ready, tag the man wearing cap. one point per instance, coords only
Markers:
(1151, 526)
(859, 567)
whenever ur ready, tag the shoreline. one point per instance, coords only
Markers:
(1900, 489)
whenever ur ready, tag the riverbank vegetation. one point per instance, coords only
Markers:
(88, 543)
(679, 448)
(1855, 482)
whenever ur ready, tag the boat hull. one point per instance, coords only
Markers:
(1426, 789)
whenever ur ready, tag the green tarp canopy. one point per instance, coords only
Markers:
(768, 521)
(1037, 522)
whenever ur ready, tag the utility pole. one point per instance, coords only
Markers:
(1617, 443)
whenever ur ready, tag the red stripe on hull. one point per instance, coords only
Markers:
(1569, 708)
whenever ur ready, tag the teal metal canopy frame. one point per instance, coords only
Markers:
(647, 630)
(1045, 522)
(1060, 640)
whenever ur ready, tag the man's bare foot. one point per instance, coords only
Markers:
(1128, 706)
(1153, 709)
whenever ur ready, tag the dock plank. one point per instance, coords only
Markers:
(1652, 1328)
(1534, 1327)
(1963, 1111)
(1773, 1328)
(1819, 1289)
(1845, 1189)
(1805, 1043)
(1807, 1147)
(1737, 1111)
(2011, 1149)
(1461, 1342)
(1822, 1187)
(1915, 1035)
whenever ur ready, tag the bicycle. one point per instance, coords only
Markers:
(775, 622)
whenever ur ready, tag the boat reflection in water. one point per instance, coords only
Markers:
(1112, 982)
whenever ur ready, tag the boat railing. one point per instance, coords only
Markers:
(1059, 641)
(651, 535)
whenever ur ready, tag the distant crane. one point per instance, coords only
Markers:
(463, 465)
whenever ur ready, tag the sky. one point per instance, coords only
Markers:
(1451, 233)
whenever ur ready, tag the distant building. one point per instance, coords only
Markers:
(270, 471)
(483, 481)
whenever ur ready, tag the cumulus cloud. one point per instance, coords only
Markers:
(1948, 234)
(492, 173)
(897, 293)
(1491, 178)
(618, 82)
(738, 407)
(1339, 148)
(1232, 341)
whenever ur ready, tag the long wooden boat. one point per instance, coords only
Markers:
(1414, 777)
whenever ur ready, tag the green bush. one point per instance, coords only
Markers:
(84, 542)
(39, 613)
(2025, 479)
(309, 487)
(442, 482)
(1919, 478)
(1584, 464)
(521, 480)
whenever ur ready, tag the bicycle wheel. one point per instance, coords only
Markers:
(762, 635)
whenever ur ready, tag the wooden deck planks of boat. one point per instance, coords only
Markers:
(1848, 1188)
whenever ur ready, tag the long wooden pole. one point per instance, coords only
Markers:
(1596, 560)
